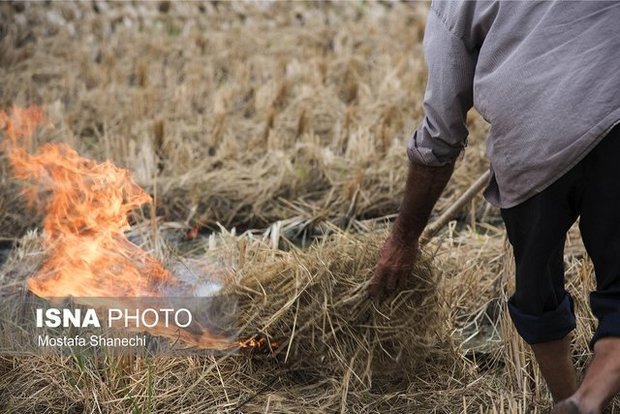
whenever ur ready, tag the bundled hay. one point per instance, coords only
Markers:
(315, 305)
(333, 349)
(446, 344)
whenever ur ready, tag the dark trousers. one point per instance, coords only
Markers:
(541, 309)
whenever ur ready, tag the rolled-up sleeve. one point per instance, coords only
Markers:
(442, 135)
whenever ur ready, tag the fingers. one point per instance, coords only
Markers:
(375, 288)
(385, 282)
(393, 270)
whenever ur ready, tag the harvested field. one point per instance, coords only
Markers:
(272, 137)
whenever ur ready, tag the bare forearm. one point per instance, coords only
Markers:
(422, 190)
(399, 253)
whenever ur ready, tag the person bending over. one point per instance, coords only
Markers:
(546, 76)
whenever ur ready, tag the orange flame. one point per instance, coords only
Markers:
(258, 342)
(86, 205)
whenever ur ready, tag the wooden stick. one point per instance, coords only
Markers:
(455, 208)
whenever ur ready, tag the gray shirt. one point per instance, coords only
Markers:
(545, 75)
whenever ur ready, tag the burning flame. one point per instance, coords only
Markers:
(258, 342)
(86, 206)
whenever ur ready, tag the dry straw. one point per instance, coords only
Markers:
(333, 348)
(445, 344)
(293, 118)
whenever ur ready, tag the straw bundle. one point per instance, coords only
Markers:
(316, 305)
(333, 348)
(446, 344)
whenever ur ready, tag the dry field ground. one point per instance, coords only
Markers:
(278, 130)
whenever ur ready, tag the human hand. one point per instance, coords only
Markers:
(395, 264)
